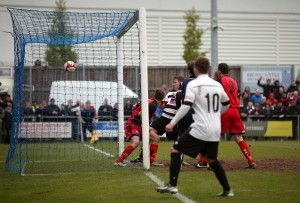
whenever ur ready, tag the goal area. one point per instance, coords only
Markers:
(74, 121)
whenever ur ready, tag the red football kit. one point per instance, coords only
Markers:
(133, 127)
(133, 124)
(231, 119)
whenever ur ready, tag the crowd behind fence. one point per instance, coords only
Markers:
(274, 104)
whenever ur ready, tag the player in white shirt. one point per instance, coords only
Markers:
(209, 100)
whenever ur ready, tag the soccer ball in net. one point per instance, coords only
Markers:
(70, 66)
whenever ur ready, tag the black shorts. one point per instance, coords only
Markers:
(192, 146)
(185, 123)
(160, 126)
(88, 126)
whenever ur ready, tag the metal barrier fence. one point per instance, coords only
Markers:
(256, 126)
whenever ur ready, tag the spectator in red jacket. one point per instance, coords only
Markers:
(271, 101)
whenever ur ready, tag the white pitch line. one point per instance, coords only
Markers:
(159, 182)
(45, 174)
(54, 161)
(98, 150)
(23, 169)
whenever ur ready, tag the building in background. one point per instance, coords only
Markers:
(251, 32)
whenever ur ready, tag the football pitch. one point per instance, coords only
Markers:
(277, 179)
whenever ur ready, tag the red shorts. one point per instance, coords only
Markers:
(132, 129)
(231, 120)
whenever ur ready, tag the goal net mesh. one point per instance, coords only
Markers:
(58, 115)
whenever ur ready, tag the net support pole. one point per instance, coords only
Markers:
(214, 36)
(121, 93)
(144, 87)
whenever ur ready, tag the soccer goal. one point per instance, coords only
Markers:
(70, 121)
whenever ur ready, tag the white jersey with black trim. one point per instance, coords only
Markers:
(207, 97)
(170, 107)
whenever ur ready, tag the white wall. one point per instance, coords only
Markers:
(255, 31)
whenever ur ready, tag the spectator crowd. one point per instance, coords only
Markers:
(50, 112)
(274, 103)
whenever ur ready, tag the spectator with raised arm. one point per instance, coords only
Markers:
(267, 88)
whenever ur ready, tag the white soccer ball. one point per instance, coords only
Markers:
(70, 66)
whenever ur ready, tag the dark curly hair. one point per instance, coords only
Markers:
(223, 67)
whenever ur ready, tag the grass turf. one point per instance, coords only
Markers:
(133, 186)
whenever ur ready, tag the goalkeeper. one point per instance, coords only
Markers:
(133, 129)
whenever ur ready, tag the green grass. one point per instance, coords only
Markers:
(57, 157)
(133, 186)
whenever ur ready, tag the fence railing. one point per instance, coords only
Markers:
(256, 126)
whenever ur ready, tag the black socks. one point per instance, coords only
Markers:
(175, 168)
(220, 174)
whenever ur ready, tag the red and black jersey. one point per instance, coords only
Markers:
(135, 116)
(232, 90)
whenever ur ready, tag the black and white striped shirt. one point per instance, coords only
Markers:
(170, 108)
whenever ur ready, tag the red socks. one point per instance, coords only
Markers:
(245, 149)
(130, 148)
(127, 151)
(153, 152)
(202, 159)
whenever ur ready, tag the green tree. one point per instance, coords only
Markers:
(192, 36)
(60, 51)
